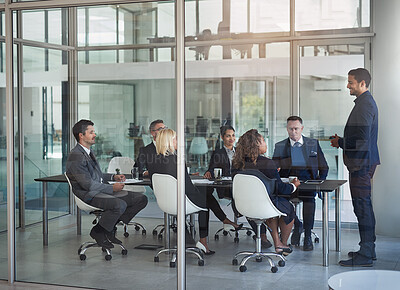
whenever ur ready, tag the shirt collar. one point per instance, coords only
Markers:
(228, 150)
(84, 148)
(301, 141)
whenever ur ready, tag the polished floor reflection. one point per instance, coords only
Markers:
(59, 263)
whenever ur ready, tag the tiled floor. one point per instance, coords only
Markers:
(59, 263)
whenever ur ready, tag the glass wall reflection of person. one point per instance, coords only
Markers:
(249, 155)
(166, 163)
(222, 158)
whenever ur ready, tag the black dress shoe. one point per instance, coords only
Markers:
(353, 254)
(295, 239)
(357, 261)
(308, 245)
(100, 238)
(111, 236)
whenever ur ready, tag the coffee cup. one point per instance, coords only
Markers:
(217, 173)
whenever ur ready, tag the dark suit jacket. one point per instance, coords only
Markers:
(168, 165)
(359, 143)
(146, 156)
(220, 159)
(315, 159)
(85, 175)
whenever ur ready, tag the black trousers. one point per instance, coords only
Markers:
(308, 199)
(121, 206)
(360, 188)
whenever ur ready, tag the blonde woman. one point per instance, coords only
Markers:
(166, 163)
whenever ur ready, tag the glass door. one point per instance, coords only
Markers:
(324, 100)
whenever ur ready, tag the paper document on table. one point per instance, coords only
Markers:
(130, 180)
(202, 181)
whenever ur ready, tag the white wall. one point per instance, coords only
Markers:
(385, 67)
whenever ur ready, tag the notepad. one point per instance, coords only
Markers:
(314, 181)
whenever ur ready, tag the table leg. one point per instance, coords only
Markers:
(45, 216)
(337, 219)
(325, 230)
(166, 231)
(78, 221)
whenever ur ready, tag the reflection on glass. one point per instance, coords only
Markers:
(326, 14)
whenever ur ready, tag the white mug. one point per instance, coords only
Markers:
(217, 173)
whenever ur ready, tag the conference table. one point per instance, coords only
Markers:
(325, 187)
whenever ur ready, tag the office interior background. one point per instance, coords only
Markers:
(250, 63)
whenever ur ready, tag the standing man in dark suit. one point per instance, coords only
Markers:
(90, 184)
(361, 156)
(148, 153)
(302, 157)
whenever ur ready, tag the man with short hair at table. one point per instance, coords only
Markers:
(301, 157)
(148, 153)
(361, 157)
(90, 184)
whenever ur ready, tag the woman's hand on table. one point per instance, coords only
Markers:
(207, 175)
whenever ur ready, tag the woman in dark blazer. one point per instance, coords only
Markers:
(249, 156)
(166, 163)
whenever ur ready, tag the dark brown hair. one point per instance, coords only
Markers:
(247, 148)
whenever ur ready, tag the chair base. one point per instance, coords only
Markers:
(137, 225)
(86, 245)
(258, 254)
(191, 250)
(249, 232)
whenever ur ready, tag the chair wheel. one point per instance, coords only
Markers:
(243, 268)
(248, 233)
(225, 233)
(281, 263)
(172, 264)
(124, 252)
(234, 262)
(236, 240)
(258, 259)
(216, 237)
(316, 240)
(157, 259)
(160, 237)
(137, 228)
(200, 263)
(126, 234)
(274, 269)
(143, 232)
(154, 232)
(108, 257)
(82, 257)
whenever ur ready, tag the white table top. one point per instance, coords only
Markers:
(365, 280)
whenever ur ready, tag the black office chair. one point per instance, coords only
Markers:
(97, 212)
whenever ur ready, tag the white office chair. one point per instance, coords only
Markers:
(252, 200)
(166, 191)
(198, 147)
(97, 212)
(125, 165)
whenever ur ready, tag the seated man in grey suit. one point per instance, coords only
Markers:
(91, 186)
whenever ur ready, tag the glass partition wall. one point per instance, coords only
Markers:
(246, 64)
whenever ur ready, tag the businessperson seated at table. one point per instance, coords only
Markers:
(249, 155)
(302, 157)
(90, 184)
(148, 153)
(222, 158)
(166, 163)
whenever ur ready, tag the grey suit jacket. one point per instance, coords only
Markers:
(85, 175)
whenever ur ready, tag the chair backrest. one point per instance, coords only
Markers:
(252, 199)
(165, 189)
(125, 164)
(81, 204)
(198, 146)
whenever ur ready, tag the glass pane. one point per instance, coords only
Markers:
(331, 14)
(325, 103)
(45, 25)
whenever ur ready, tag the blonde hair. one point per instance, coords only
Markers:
(165, 142)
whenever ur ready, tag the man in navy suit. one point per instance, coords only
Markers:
(301, 157)
(361, 156)
(90, 184)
